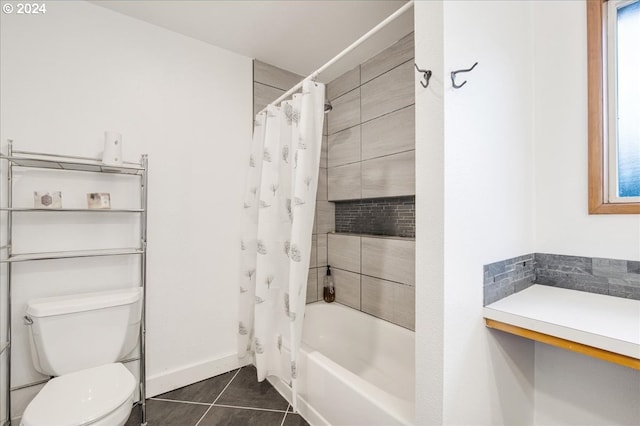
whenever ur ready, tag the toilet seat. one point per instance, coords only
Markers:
(81, 398)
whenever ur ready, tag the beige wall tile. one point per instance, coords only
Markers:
(344, 182)
(377, 297)
(263, 95)
(347, 287)
(312, 285)
(344, 252)
(344, 147)
(324, 151)
(313, 261)
(388, 300)
(315, 220)
(341, 85)
(387, 93)
(326, 217)
(405, 306)
(345, 112)
(389, 58)
(274, 76)
(393, 175)
(322, 250)
(321, 195)
(325, 126)
(390, 259)
(389, 134)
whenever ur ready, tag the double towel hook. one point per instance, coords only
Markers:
(453, 77)
(426, 76)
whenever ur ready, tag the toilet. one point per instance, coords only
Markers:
(78, 339)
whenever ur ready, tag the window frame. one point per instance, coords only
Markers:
(599, 202)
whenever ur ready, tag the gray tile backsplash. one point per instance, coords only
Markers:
(506, 277)
(613, 277)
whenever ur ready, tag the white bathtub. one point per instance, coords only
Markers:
(354, 369)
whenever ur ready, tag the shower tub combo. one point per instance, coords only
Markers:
(354, 369)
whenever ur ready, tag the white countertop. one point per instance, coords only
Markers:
(605, 322)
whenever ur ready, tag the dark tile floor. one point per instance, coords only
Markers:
(233, 398)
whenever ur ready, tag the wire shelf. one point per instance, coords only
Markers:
(26, 257)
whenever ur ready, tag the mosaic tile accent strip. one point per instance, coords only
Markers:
(502, 279)
(395, 216)
(612, 277)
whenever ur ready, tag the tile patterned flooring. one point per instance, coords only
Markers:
(233, 398)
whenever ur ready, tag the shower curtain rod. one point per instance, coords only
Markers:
(340, 55)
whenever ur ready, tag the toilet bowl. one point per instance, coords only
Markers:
(77, 339)
(99, 396)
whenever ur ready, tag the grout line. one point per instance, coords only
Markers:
(360, 276)
(275, 87)
(225, 388)
(249, 408)
(218, 397)
(413, 58)
(372, 119)
(180, 401)
(373, 276)
(362, 161)
(205, 413)
(360, 142)
(285, 415)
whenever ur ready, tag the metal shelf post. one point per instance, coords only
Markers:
(77, 164)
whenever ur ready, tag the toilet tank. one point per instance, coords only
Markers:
(71, 333)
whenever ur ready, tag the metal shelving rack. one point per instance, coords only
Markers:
(78, 164)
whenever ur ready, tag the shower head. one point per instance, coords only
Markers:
(327, 106)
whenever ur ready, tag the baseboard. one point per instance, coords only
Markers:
(183, 376)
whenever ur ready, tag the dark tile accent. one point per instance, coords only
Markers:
(633, 267)
(294, 420)
(394, 216)
(246, 391)
(165, 413)
(205, 391)
(230, 416)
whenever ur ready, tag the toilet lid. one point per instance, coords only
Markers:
(80, 398)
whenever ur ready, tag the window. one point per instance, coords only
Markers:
(613, 29)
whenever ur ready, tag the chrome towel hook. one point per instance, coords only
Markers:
(453, 77)
(426, 76)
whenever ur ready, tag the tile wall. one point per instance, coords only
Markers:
(509, 276)
(367, 167)
(375, 275)
(371, 179)
(371, 131)
(613, 277)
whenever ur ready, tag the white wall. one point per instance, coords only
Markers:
(572, 389)
(485, 178)
(563, 223)
(80, 69)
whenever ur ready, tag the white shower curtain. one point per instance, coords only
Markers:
(278, 214)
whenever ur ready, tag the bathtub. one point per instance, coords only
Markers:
(354, 369)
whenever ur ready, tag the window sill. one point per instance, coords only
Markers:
(614, 208)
